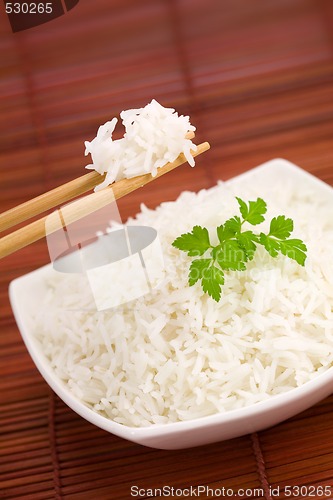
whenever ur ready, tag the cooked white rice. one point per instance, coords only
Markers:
(154, 136)
(175, 354)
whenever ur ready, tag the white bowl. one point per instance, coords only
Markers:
(26, 295)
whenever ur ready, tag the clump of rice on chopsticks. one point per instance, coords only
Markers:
(154, 136)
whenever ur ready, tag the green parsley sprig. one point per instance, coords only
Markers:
(236, 247)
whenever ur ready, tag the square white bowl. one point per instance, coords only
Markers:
(26, 295)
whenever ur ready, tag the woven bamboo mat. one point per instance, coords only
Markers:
(257, 79)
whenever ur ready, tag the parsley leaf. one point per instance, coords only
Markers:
(294, 249)
(247, 240)
(229, 229)
(237, 247)
(194, 243)
(197, 270)
(271, 244)
(230, 255)
(281, 227)
(211, 282)
(254, 212)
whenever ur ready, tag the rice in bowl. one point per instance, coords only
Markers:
(175, 354)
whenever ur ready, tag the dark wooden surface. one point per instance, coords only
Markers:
(257, 79)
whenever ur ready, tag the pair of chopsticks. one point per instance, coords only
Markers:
(75, 210)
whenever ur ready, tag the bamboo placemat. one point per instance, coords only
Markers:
(257, 80)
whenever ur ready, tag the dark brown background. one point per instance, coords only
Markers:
(256, 76)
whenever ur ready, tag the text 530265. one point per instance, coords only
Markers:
(28, 8)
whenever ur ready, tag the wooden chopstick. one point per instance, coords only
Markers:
(84, 206)
(53, 198)
(50, 199)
